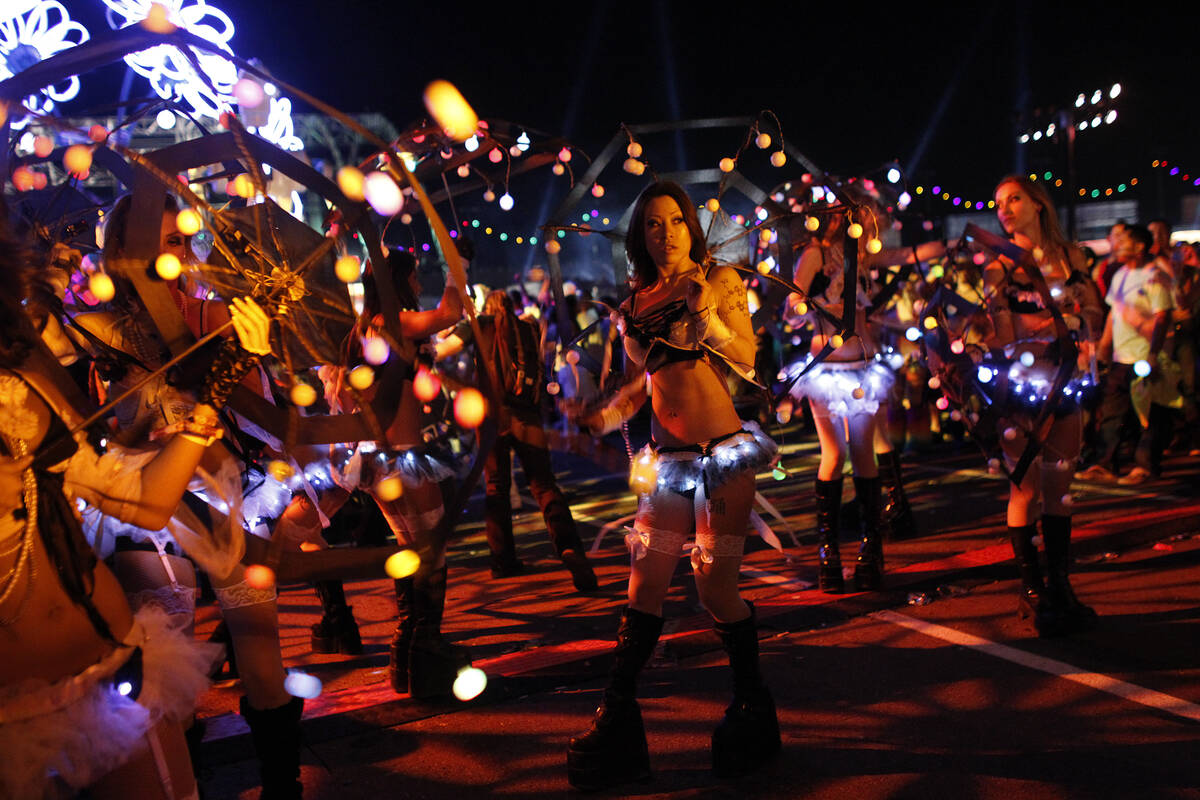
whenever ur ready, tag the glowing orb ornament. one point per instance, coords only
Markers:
(558, 168)
(993, 465)
(43, 146)
(912, 334)
(361, 377)
(726, 164)
(935, 382)
(762, 141)
(249, 93)
(854, 231)
(764, 237)
(97, 133)
(376, 350)
(347, 268)
(1065, 465)
(979, 259)
(1141, 368)
(303, 394)
(168, 266)
(1038, 254)
(956, 415)
(1010, 434)
(634, 150)
(506, 202)
(350, 181)
(495, 155)
(859, 393)
(1027, 359)
(389, 488)
(280, 470)
(572, 357)
(597, 190)
(383, 194)
(406, 218)
(778, 158)
(469, 407)
(564, 155)
(469, 684)
(957, 347)
(156, 20)
(713, 205)
(301, 684)
(633, 166)
(101, 286)
(811, 223)
(942, 403)
(243, 187)
(260, 576)
(837, 340)
(489, 196)
(874, 245)
(78, 159)
(764, 268)
(451, 110)
(553, 247)
(22, 179)
(426, 385)
(189, 222)
(643, 474)
(1067, 500)
(930, 323)
(779, 473)
(553, 388)
(402, 564)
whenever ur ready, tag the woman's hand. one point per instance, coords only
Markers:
(12, 484)
(252, 325)
(700, 295)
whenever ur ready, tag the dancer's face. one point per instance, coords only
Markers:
(1016, 210)
(172, 241)
(667, 237)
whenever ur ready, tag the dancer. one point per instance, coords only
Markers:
(1024, 328)
(513, 346)
(845, 393)
(421, 662)
(92, 694)
(684, 320)
(148, 564)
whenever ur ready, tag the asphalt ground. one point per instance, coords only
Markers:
(930, 687)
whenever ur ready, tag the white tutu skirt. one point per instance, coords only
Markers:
(80, 728)
(846, 388)
(706, 467)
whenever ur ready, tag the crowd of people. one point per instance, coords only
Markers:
(1099, 360)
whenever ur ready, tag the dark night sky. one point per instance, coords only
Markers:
(940, 86)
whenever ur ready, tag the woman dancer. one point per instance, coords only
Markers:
(684, 317)
(1025, 328)
(91, 694)
(125, 342)
(422, 662)
(845, 392)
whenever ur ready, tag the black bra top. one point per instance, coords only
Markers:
(666, 334)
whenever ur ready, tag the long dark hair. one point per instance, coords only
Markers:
(1053, 237)
(16, 267)
(642, 269)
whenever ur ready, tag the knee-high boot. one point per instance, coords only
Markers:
(433, 663)
(401, 637)
(749, 734)
(1033, 600)
(276, 736)
(1056, 539)
(829, 507)
(337, 632)
(614, 750)
(868, 572)
(897, 513)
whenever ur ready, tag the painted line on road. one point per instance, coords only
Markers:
(783, 581)
(1061, 669)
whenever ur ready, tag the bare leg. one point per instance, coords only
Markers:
(162, 770)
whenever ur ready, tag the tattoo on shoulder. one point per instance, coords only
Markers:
(735, 295)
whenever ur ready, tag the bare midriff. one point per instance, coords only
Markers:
(690, 404)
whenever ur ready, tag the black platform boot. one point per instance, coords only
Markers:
(398, 653)
(868, 572)
(337, 632)
(1032, 601)
(433, 663)
(829, 507)
(897, 513)
(614, 750)
(749, 734)
(276, 736)
(1056, 539)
